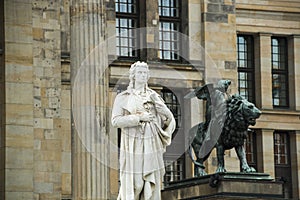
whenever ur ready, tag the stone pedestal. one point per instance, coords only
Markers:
(225, 186)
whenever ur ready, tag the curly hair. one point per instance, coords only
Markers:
(235, 126)
(132, 73)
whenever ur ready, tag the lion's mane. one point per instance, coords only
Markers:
(235, 126)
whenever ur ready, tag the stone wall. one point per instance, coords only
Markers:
(19, 162)
(263, 16)
(38, 133)
(37, 144)
(2, 105)
(219, 40)
(48, 124)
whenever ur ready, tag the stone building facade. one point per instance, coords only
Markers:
(63, 62)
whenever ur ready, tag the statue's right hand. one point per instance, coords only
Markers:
(146, 117)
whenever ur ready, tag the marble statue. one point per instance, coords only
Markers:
(147, 126)
(226, 126)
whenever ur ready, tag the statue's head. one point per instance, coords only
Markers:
(250, 112)
(241, 110)
(134, 68)
(223, 85)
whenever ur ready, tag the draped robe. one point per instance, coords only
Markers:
(142, 143)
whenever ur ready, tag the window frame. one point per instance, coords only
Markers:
(286, 145)
(280, 72)
(174, 20)
(250, 71)
(171, 170)
(250, 141)
(145, 52)
(137, 17)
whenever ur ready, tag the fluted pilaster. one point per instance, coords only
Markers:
(89, 99)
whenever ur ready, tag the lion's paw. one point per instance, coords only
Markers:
(248, 170)
(220, 169)
(200, 172)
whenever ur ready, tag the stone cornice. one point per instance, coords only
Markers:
(279, 120)
(265, 34)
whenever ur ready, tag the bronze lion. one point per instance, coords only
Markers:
(238, 114)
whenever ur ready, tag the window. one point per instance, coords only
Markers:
(126, 24)
(245, 52)
(282, 161)
(281, 155)
(174, 170)
(250, 150)
(131, 40)
(169, 18)
(279, 72)
(173, 104)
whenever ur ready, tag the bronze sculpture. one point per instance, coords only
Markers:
(226, 124)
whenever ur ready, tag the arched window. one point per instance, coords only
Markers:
(175, 168)
(173, 104)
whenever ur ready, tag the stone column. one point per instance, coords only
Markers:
(152, 30)
(295, 162)
(265, 152)
(263, 71)
(297, 70)
(89, 100)
(294, 71)
(2, 104)
(194, 22)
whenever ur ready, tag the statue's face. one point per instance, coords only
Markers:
(141, 75)
(250, 112)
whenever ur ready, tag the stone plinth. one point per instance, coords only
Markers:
(225, 186)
